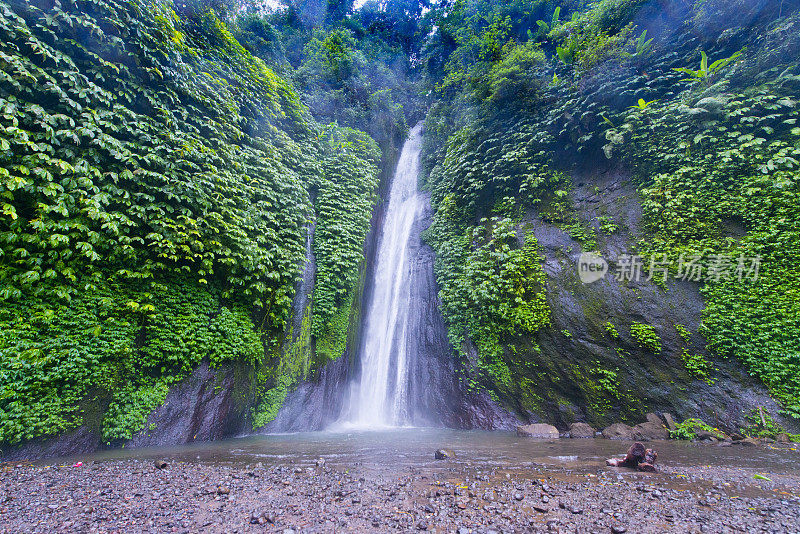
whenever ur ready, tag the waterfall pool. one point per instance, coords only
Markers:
(398, 449)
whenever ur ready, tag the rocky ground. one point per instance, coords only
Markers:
(437, 496)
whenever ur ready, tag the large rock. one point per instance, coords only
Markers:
(619, 431)
(711, 435)
(540, 431)
(581, 430)
(650, 430)
(444, 454)
(671, 426)
(653, 418)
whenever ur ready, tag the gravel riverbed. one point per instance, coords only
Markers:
(454, 495)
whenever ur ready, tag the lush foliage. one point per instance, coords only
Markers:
(526, 87)
(726, 159)
(688, 429)
(344, 201)
(156, 182)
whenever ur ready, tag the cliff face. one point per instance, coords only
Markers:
(628, 128)
(590, 365)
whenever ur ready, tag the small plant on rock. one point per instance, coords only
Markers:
(688, 429)
(646, 337)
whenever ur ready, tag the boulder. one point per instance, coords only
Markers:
(540, 431)
(581, 431)
(712, 436)
(649, 431)
(653, 418)
(619, 431)
(444, 454)
(783, 438)
(671, 426)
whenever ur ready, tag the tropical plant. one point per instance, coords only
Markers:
(643, 45)
(642, 105)
(707, 72)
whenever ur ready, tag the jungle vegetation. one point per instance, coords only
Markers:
(162, 164)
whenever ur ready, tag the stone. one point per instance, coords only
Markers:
(783, 437)
(581, 431)
(444, 454)
(649, 431)
(160, 464)
(671, 426)
(539, 431)
(706, 435)
(619, 431)
(653, 418)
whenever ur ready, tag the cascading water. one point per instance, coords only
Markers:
(379, 396)
(406, 372)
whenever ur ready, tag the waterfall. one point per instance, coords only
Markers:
(379, 395)
(405, 373)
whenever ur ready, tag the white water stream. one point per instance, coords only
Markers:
(379, 396)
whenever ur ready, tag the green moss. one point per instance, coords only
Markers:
(333, 341)
(611, 330)
(646, 337)
(697, 366)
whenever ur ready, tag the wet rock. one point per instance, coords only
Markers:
(783, 438)
(538, 431)
(747, 442)
(160, 464)
(444, 454)
(580, 431)
(618, 431)
(650, 430)
(618, 529)
(646, 467)
(671, 426)
(637, 457)
(712, 436)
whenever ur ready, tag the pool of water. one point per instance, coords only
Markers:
(397, 448)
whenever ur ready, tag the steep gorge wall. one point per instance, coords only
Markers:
(585, 138)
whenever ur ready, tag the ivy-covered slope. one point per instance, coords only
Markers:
(156, 185)
(573, 127)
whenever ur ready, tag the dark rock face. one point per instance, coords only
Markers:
(203, 407)
(569, 353)
(78, 441)
(200, 408)
(619, 431)
(581, 431)
(539, 431)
